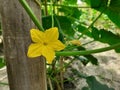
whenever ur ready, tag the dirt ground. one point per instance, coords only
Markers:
(3, 79)
(107, 72)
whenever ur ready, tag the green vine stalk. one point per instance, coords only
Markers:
(31, 14)
(87, 52)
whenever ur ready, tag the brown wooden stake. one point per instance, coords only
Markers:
(23, 73)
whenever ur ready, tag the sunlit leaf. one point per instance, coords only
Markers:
(70, 2)
(101, 35)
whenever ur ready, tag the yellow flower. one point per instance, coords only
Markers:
(45, 44)
(75, 42)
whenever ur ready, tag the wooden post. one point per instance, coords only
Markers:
(23, 73)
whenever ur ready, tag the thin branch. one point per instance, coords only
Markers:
(38, 3)
(46, 10)
(61, 72)
(50, 83)
(70, 6)
(91, 24)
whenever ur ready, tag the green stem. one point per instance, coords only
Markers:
(52, 13)
(31, 14)
(73, 6)
(2, 83)
(87, 52)
(91, 24)
(46, 9)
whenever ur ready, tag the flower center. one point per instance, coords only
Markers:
(45, 43)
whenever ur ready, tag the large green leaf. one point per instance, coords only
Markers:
(114, 5)
(105, 36)
(99, 4)
(108, 37)
(93, 3)
(70, 11)
(113, 11)
(110, 8)
(93, 84)
(113, 16)
(101, 35)
(62, 22)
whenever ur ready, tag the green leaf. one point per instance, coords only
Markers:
(113, 16)
(92, 59)
(86, 58)
(82, 29)
(101, 35)
(85, 88)
(97, 4)
(71, 11)
(93, 84)
(95, 33)
(70, 2)
(113, 11)
(115, 5)
(93, 3)
(2, 63)
(111, 8)
(96, 85)
(62, 22)
(110, 38)
(82, 59)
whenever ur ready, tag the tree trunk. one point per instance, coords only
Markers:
(23, 73)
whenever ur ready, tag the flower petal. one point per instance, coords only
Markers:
(52, 34)
(49, 54)
(34, 50)
(37, 35)
(57, 45)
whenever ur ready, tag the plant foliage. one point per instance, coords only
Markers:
(74, 20)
